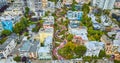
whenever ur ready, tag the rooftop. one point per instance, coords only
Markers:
(80, 31)
(118, 35)
(26, 46)
(93, 48)
(29, 46)
(44, 50)
(74, 15)
(116, 42)
(48, 40)
(47, 30)
(10, 38)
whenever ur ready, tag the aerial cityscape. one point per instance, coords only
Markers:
(59, 31)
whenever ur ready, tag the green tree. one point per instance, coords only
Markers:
(38, 26)
(107, 12)
(68, 50)
(53, 1)
(73, 5)
(72, 50)
(98, 20)
(27, 10)
(99, 13)
(85, 8)
(3, 40)
(102, 54)
(70, 37)
(20, 26)
(17, 59)
(87, 58)
(6, 32)
(116, 61)
(80, 50)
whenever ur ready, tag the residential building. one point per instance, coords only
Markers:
(74, 15)
(117, 37)
(44, 53)
(80, 31)
(48, 42)
(93, 18)
(59, 4)
(8, 60)
(29, 49)
(47, 29)
(116, 49)
(117, 4)
(7, 47)
(39, 7)
(78, 40)
(93, 48)
(105, 20)
(82, 1)
(67, 2)
(103, 4)
(48, 22)
(3, 3)
(44, 33)
(46, 36)
(13, 18)
(45, 49)
(108, 44)
(13, 11)
(7, 25)
(44, 4)
(50, 7)
(96, 26)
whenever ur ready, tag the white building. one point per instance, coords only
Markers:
(7, 47)
(48, 42)
(44, 53)
(29, 48)
(74, 15)
(82, 1)
(79, 31)
(67, 2)
(93, 48)
(48, 22)
(39, 7)
(104, 4)
(59, 4)
(117, 36)
(14, 18)
(116, 46)
(105, 20)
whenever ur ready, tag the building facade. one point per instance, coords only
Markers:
(104, 4)
(7, 47)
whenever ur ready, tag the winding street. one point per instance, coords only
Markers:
(62, 44)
